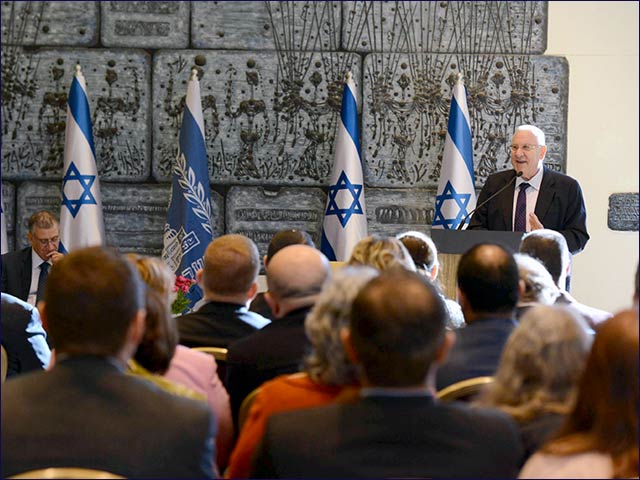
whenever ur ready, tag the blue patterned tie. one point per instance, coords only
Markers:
(42, 279)
(520, 221)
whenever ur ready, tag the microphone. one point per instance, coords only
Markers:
(508, 184)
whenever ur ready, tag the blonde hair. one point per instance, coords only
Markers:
(383, 253)
(155, 273)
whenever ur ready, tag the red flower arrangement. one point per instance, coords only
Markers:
(182, 286)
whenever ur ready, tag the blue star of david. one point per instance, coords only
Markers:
(344, 214)
(86, 197)
(449, 193)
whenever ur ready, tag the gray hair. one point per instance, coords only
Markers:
(539, 285)
(540, 364)
(327, 363)
(539, 134)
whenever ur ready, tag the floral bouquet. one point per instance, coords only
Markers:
(182, 286)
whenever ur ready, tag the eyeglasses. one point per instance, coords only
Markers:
(46, 241)
(526, 148)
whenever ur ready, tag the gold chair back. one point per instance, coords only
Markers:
(245, 407)
(219, 353)
(66, 472)
(464, 390)
(4, 364)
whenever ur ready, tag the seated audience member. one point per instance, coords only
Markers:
(195, 370)
(327, 369)
(395, 428)
(536, 285)
(229, 282)
(86, 412)
(382, 253)
(281, 239)
(23, 337)
(550, 248)
(295, 277)
(538, 372)
(488, 294)
(599, 438)
(425, 258)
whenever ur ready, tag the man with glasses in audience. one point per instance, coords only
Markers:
(539, 198)
(24, 272)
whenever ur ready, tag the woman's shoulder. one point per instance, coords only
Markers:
(579, 465)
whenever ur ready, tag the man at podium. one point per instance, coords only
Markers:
(531, 196)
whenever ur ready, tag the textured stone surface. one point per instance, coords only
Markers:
(259, 213)
(406, 111)
(9, 211)
(266, 122)
(145, 24)
(308, 26)
(445, 27)
(34, 196)
(392, 211)
(49, 23)
(35, 86)
(623, 212)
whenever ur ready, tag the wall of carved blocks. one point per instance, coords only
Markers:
(271, 83)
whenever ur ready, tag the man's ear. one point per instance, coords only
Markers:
(522, 287)
(445, 347)
(433, 273)
(137, 327)
(199, 276)
(264, 261)
(252, 292)
(273, 303)
(345, 337)
(42, 310)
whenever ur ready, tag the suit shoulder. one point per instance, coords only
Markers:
(560, 177)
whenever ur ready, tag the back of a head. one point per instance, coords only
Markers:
(284, 238)
(383, 253)
(488, 278)
(231, 265)
(297, 271)
(397, 327)
(540, 364)
(421, 248)
(155, 274)
(91, 298)
(550, 248)
(539, 287)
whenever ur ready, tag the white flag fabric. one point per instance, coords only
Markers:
(4, 242)
(81, 223)
(188, 229)
(456, 195)
(345, 221)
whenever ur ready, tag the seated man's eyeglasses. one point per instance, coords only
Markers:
(45, 241)
(526, 148)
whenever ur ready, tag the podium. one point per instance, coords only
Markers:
(452, 244)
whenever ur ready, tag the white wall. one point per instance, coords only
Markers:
(600, 41)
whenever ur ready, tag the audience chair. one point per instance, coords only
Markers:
(464, 390)
(220, 354)
(4, 364)
(66, 472)
(245, 407)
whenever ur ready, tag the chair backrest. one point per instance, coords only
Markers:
(245, 407)
(464, 390)
(66, 472)
(219, 353)
(4, 364)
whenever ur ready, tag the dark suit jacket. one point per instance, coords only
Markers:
(476, 352)
(383, 437)
(86, 412)
(23, 337)
(16, 273)
(560, 207)
(217, 324)
(275, 350)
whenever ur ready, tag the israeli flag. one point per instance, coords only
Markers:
(345, 220)
(456, 195)
(4, 243)
(81, 223)
(188, 230)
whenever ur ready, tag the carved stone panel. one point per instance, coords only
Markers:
(9, 212)
(35, 86)
(445, 27)
(145, 24)
(407, 102)
(623, 212)
(297, 25)
(259, 212)
(268, 120)
(392, 211)
(49, 23)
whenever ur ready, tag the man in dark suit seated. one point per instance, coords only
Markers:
(229, 282)
(488, 290)
(23, 337)
(395, 428)
(295, 276)
(87, 412)
(540, 198)
(24, 272)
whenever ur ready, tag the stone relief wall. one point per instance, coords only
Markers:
(271, 82)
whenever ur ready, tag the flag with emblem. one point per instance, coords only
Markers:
(345, 220)
(81, 223)
(188, 229)
(456, 195)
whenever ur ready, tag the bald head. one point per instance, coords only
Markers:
(295, 276)
(231, 264)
